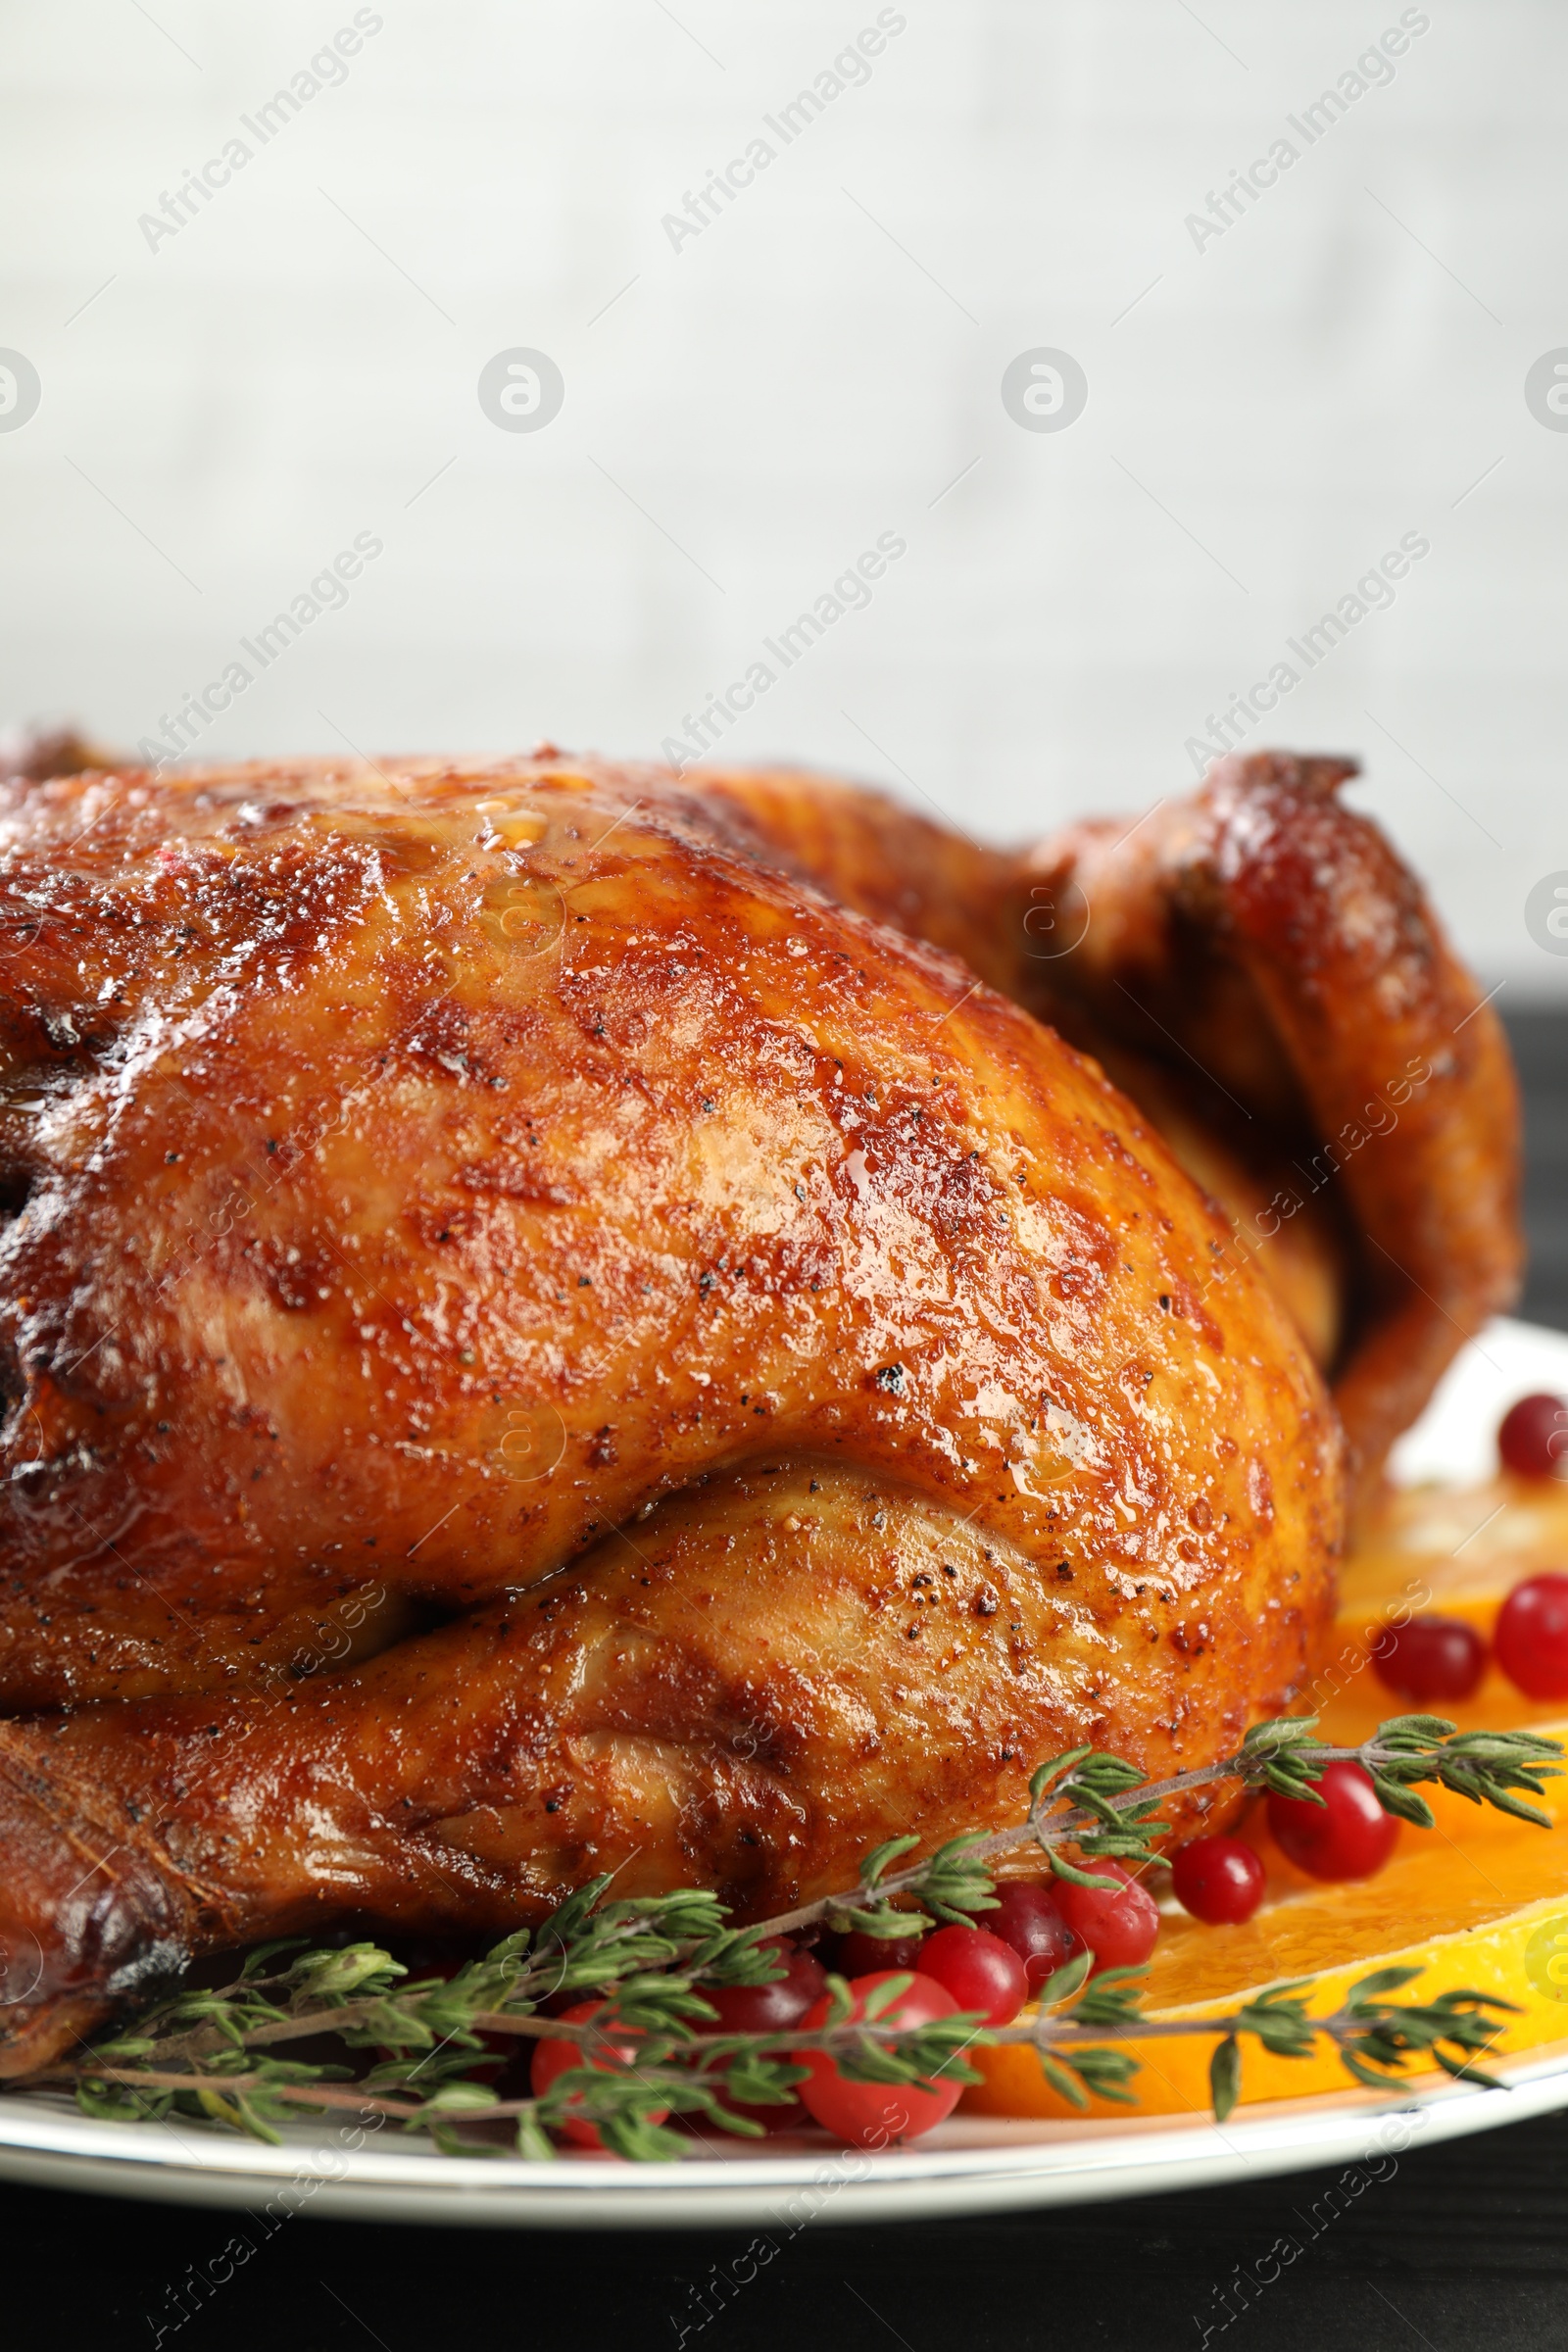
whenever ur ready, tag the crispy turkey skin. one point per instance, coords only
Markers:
(1256, 967)
(418, 1175)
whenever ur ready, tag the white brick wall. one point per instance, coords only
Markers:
(1315, 383)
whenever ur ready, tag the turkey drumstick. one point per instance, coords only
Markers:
(774, 1671)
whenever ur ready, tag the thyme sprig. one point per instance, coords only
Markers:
(1103, 1808)
(651, 1960)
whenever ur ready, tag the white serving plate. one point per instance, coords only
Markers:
(972, 2164)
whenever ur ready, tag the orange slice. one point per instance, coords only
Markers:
(1479, 1902)
(1453, 1552)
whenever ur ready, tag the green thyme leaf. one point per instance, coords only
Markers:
(1225, 2077)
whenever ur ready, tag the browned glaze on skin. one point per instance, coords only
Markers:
(1256, 966)
(417, 1176)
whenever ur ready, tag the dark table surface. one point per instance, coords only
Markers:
(1452, 2247)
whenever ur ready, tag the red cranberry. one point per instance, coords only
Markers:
(1117, 1919)
(553, 2058)
(870, 2114)
(979, 1969)
(877, 1955)
(1348, 1836)
(1531, 1637)
(1430, 1657)
(1219, 1880)
(1027, 1917)
(769, 2008)
(1533, 1439)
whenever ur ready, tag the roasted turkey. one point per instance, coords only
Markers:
(559, 1318)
